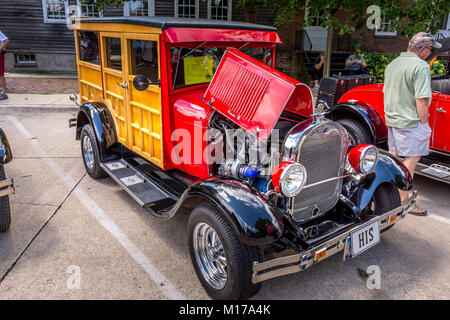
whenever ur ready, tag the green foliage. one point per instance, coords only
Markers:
(376, 63)
(102, 4)
(438, 68)
(407, 16)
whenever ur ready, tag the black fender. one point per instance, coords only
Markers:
(99, 117)
(254, 220)
(5, 149)
(363, 112)
(388, 170)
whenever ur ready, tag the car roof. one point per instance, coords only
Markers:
(172, 22)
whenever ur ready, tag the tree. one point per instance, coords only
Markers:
(408, 16)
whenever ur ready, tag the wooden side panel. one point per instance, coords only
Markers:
(90, 77)
(145, 123)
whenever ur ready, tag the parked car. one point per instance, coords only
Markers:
(359, 106)
(6, 184)
(189, 116)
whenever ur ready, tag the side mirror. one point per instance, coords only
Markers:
(141, 83)
(74, 99)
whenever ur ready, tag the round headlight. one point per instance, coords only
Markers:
(368, 159)
(292, 179)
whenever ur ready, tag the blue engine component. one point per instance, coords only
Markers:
(250, 172)
(260, 184)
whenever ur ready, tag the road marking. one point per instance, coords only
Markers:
(162, 282)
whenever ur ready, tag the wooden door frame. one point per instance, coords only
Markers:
(114, 72)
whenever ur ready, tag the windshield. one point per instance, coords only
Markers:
(197, 65)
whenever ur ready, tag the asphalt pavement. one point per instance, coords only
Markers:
(73, 237)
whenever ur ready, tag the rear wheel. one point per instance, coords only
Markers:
(5, 210)
(385, 198)
(90, 153)
(357, 132)
(223, 264)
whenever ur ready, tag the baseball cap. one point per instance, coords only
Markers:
(423, 39)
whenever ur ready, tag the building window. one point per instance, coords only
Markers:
(88, 10)
(139, 8)
(25, 59)
(219, 9)
(386, 28)
(55, 10)
(187, 9)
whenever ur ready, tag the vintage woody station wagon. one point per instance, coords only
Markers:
(189, 116)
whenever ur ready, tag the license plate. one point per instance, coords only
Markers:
(365, 238)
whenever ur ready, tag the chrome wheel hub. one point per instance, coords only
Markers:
(88, 152)
(210, 255)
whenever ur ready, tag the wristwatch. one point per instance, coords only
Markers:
(3, 51)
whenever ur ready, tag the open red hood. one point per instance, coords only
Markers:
(253, 95)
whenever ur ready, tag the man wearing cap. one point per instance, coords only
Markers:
(3, 43)
(407, 96)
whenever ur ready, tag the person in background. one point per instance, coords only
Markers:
(317, 69)
(407, 97)
(4, 41)
(355, 64)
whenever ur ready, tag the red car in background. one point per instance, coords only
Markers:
(361, 111)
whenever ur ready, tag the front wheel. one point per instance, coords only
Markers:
(5, 210)
(357, 132)
(223, 264)
(385, 198)
(90, 153)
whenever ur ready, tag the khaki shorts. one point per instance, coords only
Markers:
(410, 142)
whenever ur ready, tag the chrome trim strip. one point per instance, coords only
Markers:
(325, 181)
(304, 260)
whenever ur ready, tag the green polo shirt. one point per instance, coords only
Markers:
(406, 79)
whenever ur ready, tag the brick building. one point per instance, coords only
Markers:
(41, 39)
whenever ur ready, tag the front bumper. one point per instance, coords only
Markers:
(298, 262)
(8, 184)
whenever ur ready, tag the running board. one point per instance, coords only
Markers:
(139, 186)
(435, 166)
(435, 171)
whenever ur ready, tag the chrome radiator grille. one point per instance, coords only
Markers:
(321, 152)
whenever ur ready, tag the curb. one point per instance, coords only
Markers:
(37, 108)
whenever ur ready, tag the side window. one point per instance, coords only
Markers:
(88, 46)
(113, 53)
(144, 58)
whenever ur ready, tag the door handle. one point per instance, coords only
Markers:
(123, 84)
(441, 110)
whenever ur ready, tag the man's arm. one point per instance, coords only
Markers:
(422, 109)
(362, 63)
(349, 62)
(4, 44)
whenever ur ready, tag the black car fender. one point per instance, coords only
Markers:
(388, 170)
(5, 150)
(254, 220)
(363, 112)
(99, 117)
